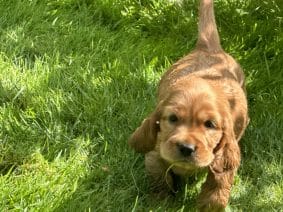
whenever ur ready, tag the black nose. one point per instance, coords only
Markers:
(186, 149)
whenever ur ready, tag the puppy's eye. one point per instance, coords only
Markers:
(210, 124)
(172, 118)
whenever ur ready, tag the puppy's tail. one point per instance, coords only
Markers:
(208, 37)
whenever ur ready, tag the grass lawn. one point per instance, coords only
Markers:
(78, 76)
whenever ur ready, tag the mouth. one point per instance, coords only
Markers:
(184, 163)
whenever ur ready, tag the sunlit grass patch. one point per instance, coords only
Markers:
(39, 183)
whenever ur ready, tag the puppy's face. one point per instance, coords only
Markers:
(190, 128)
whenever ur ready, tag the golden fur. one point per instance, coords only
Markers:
(199, 119)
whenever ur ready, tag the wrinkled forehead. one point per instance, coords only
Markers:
(198, 104)
(191, 98)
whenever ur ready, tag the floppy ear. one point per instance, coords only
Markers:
(215, 191)
(227, 152)
(144, 138)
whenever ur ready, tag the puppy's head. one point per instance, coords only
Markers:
(194, 126)
(191, 128)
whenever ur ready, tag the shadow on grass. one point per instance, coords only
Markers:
(261, 170)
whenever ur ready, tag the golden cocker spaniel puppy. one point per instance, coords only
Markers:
(199, 119)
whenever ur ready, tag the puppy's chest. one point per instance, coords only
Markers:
(181, 177)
